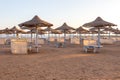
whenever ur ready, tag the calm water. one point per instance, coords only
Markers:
(52, 35)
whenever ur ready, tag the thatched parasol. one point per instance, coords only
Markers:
(81, 30)
(53, 31)
(95, 31)
(56, 31)
(36, 22)
(116, 31)
(31, 30)
(110, 29)
(40, 32)
(48, 29)
(16, 31)
(64, 28)
(99, 23)
(7, 31)
(2, 31)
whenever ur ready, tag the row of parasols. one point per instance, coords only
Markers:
(35, 24)
(63, 29)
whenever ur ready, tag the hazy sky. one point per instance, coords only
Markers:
(74, 12)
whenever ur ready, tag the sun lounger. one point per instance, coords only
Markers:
(90, 46)
(32, 46)
(59, 44)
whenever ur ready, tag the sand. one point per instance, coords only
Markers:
(69, 63)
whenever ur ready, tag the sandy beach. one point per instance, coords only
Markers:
(60, 40)
(69, 63)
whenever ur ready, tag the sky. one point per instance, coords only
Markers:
(74, 12)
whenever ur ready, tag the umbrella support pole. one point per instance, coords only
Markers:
(80, 39)
(98, 37)
(64, 40)
(36, 43)
(31, 36)
(48, 37)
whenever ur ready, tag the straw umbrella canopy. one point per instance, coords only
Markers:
(29, 32)
(48, 29)
(33, 30)
(110, 29)
(7, 31)
(95, 31)
(36, 22)
(116, 31)
(40, 32)
(81, 30)
(2, 31)
(56, 31)
(52, 30)
(16, 31)
(64, 28)
(98, 23)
